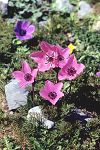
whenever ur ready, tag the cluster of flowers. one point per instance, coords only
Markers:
(49, 57)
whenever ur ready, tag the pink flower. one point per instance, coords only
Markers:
(51, 92)
(71, 70)
(51, 56)
(26, 75)
(44, 58)
(98, 74)
(61, 56)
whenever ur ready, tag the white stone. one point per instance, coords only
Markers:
(3, 6)
(36, 113)
(64, 5)
(15, 96)
(84, 9)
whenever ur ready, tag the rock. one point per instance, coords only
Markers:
(96, 26)
(84, 9)
(3, 6)
(15, 96)
(36, 113)
(78, 114)
(64, 6)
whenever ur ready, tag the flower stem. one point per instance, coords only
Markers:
(33, 92)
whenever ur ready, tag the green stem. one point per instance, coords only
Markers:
(33, 91)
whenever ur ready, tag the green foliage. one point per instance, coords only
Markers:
(34, 9)
(6, 35)
(82, 93)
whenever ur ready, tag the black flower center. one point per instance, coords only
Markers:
(52, 95)
(71, 71)
(60, 57)
(28, 77)
(22, 32)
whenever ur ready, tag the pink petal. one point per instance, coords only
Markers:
(44, 67)
(44, 93)
(49, 85)
(25, 67)
(22, 84)
(58, 86)
(45, 46)
(80, 68)
(34, 73)
(31, 29)
(18, 75)
(37, 56)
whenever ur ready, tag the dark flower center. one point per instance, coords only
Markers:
(52, 95)
(28, 77)
(50, 59)
(71, 71)
(22, 32)
(60, 57)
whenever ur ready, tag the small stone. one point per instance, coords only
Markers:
(3, 6)
(64, 6)
(37, 113)
(15, 96)
(84, 9)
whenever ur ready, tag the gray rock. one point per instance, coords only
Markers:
(3, 6)
(64, 6)
(37, 114)
(84, 9)
(15, 96)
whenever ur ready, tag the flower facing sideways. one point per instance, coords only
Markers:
(61, 56)
(51, 56)
(46, 57)
(24, 30)
(51, 92)
(71, 70)
(26, 75)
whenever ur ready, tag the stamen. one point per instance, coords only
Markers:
(28, 77)
(71, 71)
(52, 95)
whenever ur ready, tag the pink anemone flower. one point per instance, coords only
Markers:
(26, 76)
(71, 70)
(46, 57)
(61, 56)
(51, 92)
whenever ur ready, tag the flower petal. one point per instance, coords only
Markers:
(25, 67)
(34, 73)
(98, 74)
(25, 24)
(31, 29)
(58, 86)
(19, 75)
(45, 46)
